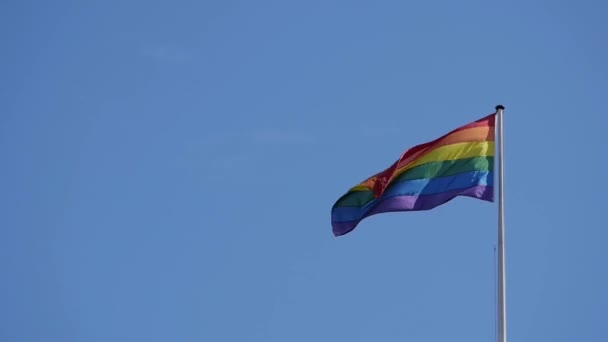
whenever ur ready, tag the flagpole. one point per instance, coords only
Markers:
(501, 288)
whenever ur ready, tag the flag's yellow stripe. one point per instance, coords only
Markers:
(453, 152)
(447, 152)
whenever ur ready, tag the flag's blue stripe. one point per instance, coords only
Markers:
(417, 187)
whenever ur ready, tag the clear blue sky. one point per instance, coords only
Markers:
(167, 169)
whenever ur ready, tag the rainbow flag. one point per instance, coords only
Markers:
(459, 163)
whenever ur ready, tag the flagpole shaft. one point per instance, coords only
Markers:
(501, 288)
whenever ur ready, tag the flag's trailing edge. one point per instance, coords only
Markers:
(459, 163)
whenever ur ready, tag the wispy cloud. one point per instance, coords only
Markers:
(283, 137)
(225, 162)
(262, 136)
(167, 54)
(294, 136)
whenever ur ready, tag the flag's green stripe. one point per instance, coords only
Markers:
(355, 199)
(447, 168)
(429, 170)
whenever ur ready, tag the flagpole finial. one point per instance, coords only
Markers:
(499, 107)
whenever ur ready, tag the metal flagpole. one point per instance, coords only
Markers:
(501, 307)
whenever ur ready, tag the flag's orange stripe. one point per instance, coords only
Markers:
(466, 135)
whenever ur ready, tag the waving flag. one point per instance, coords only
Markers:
(459, 163)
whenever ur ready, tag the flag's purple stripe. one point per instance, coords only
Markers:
(414, 203)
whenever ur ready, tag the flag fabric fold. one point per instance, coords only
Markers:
(460, 163)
